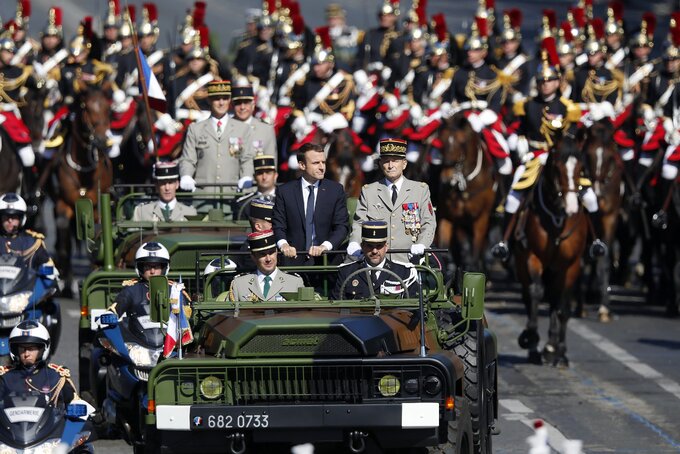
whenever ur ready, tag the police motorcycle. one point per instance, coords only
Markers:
(27, 294)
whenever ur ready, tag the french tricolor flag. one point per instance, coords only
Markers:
(178, 321)
(157, 99)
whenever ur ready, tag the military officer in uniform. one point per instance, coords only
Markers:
(269, 281)
(166, 208)
(261, 136)
(372, 49)
(215, 150)
(374, 248)
(29, 348)
(404, 204)
(345, 38)
(265, 180)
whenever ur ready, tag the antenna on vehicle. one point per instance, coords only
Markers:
(179, 320)
(421, 310)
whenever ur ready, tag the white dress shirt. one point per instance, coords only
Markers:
(261, 276)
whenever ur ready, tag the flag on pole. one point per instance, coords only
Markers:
(156, 97)
(177, 322)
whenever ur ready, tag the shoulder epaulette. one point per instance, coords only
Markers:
(61, 370)
(37, 235)
(423, 184)
(5, 369)
(573, 110)
(102, 67)
(129, 282)
(518, 108)
(448, 74)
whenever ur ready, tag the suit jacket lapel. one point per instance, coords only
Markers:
(158, 212)
(384, 195)
(403, 195)
(297, 192)
(276, 286)
(254, 287)
(209, 129)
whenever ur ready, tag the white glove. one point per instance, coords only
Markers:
(368, 164)
(446, 110)
(114, 151)
(412, 156)
(333, 123)
(417, 249)
(354, 249)
(386, 73)
(245, 182)
(293, 163)
(360, 78)
(416, 113)
(488, 117)
(187, 183)
(358, 123)
(512, 141)
(166, 124)
(475, 122)
(27, 156)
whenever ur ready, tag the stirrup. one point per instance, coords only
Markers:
(597, 249)
(501, 251)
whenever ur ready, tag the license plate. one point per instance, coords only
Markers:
(225, 419)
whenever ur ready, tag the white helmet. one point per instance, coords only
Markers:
(12, 203)
(29, 332)
(214, 265)
(152, 252)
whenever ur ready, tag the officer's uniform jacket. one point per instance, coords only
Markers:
(410, 220)
(345, 46)
(210, 160)
(134, 298)
(358, 286)
(52, 380)
(247, 288)
(517, 81)
(593, 85)
(12, 79)
(90, 72)
(664, 93)
(340, 99)
(429, 85)
(476, 84)
(374, 45)
(29, 245)
(260, 137)
(152, 211)
(540, 121)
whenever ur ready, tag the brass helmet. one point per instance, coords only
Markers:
(512, 22)
(577, 20)
(549, 69)
(269, 14)
(595, 42)
(83, 40)
(7, 43)
(23, 14)
(53, 27)
(479, 33)
(323, 50)
(614, 25)
(673, 50)
(548, 23)
(565, 38)
(486, 9)
(192, 21)
(645, 36)
(201, 47)
(112, 18)
(127, 27)
(440, 39)
(389, 7)
(294, 39)
(149, 25)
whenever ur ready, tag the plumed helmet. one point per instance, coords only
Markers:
(152, 252)
(13, 204)
(29, 332)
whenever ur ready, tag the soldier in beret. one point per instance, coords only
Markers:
(215, 150)
(374, 247)
(404, 204)
(267, 283)
(261, 136)
(166, 208)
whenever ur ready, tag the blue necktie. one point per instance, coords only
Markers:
(309, 219)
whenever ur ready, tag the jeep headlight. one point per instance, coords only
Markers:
(211, 387)
(389, 385)
(16, 303)
(142, 356)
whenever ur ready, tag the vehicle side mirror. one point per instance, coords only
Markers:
(84, 220)
(474, 286)
(158, 294)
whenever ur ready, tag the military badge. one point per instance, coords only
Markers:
(258, 146)
(235, 146)
(410, 215)
(253, 297)
(355, 282)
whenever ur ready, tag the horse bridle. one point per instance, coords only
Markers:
(458, 178)
(93, 144)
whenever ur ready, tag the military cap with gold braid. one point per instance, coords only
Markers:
(264, 162)
(261, 209)
(374, 232)
(219, 88)
(261, 241)
(393, 147)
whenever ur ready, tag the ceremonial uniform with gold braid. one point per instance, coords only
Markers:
(597, 85)
(374, 45)
(341, 98)
(28, 245)
(476, 84)
(52, 380)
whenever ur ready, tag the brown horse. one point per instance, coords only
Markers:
(83, 168)
(466, 193)
(553, 232)
(605, 168)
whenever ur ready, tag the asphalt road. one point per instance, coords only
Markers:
(619, 395)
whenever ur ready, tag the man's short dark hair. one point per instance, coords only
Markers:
(307, 147)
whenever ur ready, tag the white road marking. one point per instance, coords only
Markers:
(619, 354)
(520, 412)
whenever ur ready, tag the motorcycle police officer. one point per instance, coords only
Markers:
(29, 344)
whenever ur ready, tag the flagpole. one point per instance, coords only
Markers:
(145, 94)
(180, 334)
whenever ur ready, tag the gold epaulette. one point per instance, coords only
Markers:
(37, 235)
(101, 67)
(518, 108)
(573, 110)
(5, 369)
(62, 370)
(448, 74)
(129, 282)
(585, 182)
(360, 37)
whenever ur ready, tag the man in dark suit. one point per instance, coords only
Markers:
(310, 213)
(374, 248)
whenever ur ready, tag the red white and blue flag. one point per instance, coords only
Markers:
(157, 99)
(177, 321)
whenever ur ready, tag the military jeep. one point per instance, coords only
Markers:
(349, 376)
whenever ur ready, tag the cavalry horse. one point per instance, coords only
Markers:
(553, 231)
(134, 164)
(466, 193)
(605, 168)
(83, 168)
(10, 167)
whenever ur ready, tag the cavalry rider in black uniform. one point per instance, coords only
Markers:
(374, 249)
(26, 244)
(29, 344)
(372, 50)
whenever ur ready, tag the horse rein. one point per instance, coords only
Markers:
(459, 179)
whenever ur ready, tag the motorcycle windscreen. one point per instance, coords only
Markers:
(27, 420)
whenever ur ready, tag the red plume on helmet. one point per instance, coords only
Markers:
(132, 13)
(675, 35)
(116, 7)
(550, 46)
(205, 36)
(87, 27)
(550, 16)
(57, 16)
(199, 14)
(152, 11)
(566, 30)
(325, 36)
(25, 8)
(298, 24)
(482, 26)
(515, 15)
(617, 10)
(598, 28)
(440, 28)
(294, 8)
(421, 13)
(269, 6)
(579, 17)
(490, 4)
(649, 19)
